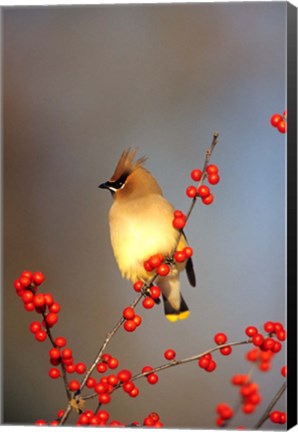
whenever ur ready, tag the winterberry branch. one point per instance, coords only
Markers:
(269, 408)
(203, 176)
(175, 362)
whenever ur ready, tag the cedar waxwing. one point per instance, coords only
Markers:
(140, 221)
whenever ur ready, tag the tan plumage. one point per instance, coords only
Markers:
(140, 221)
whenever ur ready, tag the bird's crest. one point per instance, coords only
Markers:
(126, 163)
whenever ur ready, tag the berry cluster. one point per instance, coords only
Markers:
(157, 263)
(248, 391)
(203, 191)
(272, 340)
(278, 417)
(26, 287)
(152, 420)
(279, 122)
(132, 320)
(267, 345)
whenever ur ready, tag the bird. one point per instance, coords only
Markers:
(140, 222)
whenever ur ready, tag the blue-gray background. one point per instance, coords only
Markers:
(80, 85)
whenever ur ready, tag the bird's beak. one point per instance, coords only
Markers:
(104, 185)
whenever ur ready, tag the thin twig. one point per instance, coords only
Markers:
(269, 408)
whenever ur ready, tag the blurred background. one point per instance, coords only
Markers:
(80, 84)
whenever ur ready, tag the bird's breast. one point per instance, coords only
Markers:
(139, 230)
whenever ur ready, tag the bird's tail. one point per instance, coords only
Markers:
(175, 314)
(175, 307)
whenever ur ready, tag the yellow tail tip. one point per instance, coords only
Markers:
(176, 317)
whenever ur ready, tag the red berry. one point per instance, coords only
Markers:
(29, 306)
(54, 353)
(81, 368)
(178, 213)
(239, 379)
(101, 388)
(225, 411)
(113, 363)
(91, 382)
(251, 331)
(137, 286)
(283, 418)
(55, 307)
(275, 416)
(220, 338)
(124, 375)
(103, 415)
(39, 300)
(70, 368)
(147, 369)
(169, 354)
(51, 318)
(226, 350)
(128, 386)
(281, 335)
(147, 266)
(203, 191)
(257, 339)
(137, 320)
(253, 354)
(196, 174)
(40, 335)
(156, 260)
(163, 270)
(68, 361)
(248, 408)
(38, 278)
(179, 222)
(60, 341)
(269, 327)
(35, 326)
(204, 361)
(102, 367)
(129, 325)
(268, 344)
(66, 353)
(104, 398)
(179, 256)
(17, 284)
(154, 292)
(283, 371)
(208, 199)
(25, 281)
(275, 119)
(74, 385)
(113, 380)
(191, 191)
(188, 251)
(128, 313)
(134, 392)
(49, 300)
(213, 179)
(265, 366)
(54, 373)
(27, 296)
(40, 422)
(276, 347)
(106, 357)
(211, 366)
(152, 378)
(282, 126)
(285, 113)
(211, 169)
(148, 303)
